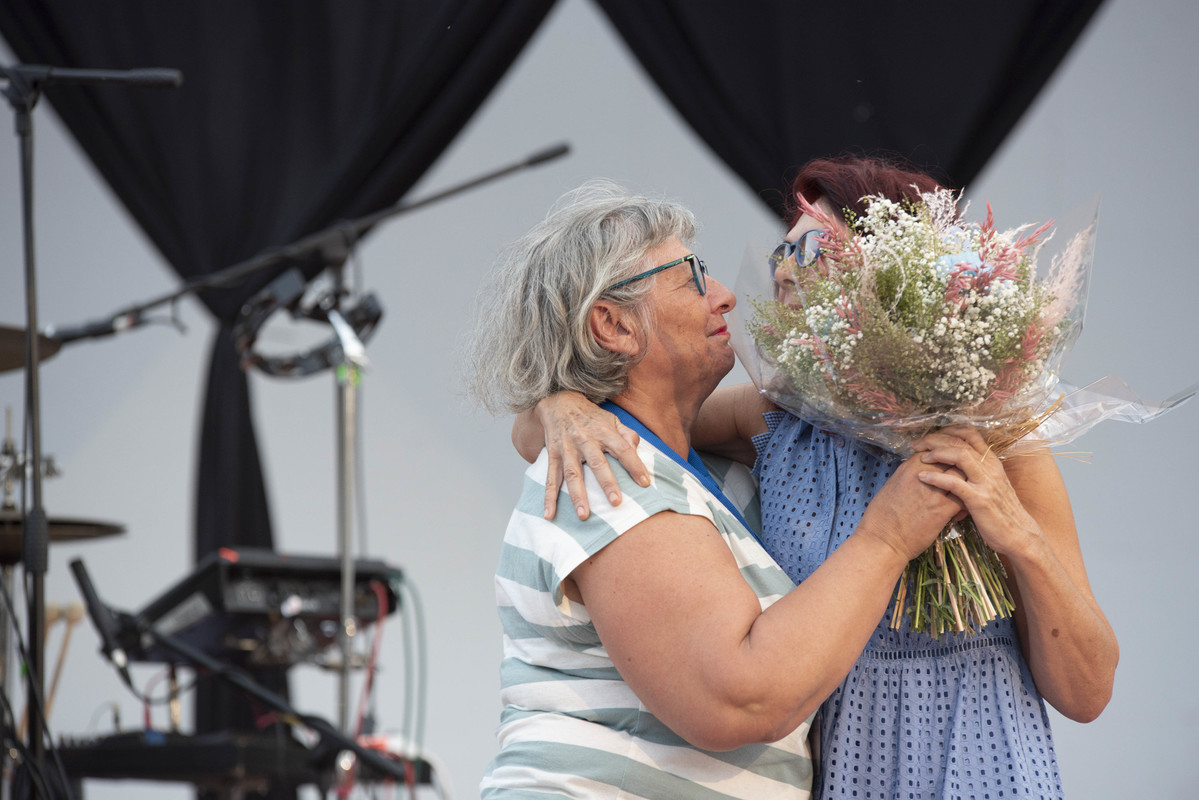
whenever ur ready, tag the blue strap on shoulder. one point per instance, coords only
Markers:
(692, 464)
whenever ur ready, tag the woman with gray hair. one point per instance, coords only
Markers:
(654, 650)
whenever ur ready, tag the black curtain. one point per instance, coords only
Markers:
(772, 83)
(292, 114)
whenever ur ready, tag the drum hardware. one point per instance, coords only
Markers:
(62, 529)
(13, 465)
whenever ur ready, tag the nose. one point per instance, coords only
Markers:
(784, 282)
(720, 297)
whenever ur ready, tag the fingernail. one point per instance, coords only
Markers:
(580, 511)
(614, 498)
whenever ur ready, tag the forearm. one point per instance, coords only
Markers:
(728, 421)
(1070, 647)
(828, 620)
(528, 437)
(760, 684)
(1022, 510)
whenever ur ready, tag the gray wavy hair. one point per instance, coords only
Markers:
(532, 333)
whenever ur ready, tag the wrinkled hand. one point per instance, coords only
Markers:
(980, 482)
(578, 432)
(908, 512)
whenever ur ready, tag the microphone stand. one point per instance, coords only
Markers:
(348, 374)
(24, 88)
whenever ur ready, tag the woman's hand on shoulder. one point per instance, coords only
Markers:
(579, 433)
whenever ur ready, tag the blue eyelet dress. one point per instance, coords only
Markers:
(916, 717)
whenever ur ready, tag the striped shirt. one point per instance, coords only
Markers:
(571, 727)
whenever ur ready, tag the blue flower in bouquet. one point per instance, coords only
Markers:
(948, 264)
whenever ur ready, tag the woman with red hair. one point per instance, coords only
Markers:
(916, 717)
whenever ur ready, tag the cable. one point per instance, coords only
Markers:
(368, 681)
(38, 707)
(418, 737)
(148, 701)
(409, 670)
(24, 759)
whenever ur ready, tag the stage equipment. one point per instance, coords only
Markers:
(147, 635)
(23, 87)
(256, 607)
(223, 761)
(344, 352)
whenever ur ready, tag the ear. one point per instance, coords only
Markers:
(614, 329)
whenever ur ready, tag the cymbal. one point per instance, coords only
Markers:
(62, 529)
(12, 347)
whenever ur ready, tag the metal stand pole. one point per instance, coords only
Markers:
(348, 376)
(351, 362)
(23, 97)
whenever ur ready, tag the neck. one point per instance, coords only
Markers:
(670, 420)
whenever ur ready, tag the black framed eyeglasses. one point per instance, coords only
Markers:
(806, 250)
(699, 273)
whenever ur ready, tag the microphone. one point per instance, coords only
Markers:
(155, 77)
(94, 330)
(104, 621)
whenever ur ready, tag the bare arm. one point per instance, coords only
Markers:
(575, 432)
(729, 420)
(689, 636)
(1022, 510)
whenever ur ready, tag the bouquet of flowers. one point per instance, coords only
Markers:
(913, 319)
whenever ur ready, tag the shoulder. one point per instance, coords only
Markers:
(566, 539)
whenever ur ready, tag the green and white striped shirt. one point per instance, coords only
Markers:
(571, 726)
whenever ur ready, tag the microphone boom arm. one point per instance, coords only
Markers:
(331, 239)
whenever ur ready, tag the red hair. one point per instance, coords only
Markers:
(845, 180)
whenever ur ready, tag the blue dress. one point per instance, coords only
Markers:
(916, 717)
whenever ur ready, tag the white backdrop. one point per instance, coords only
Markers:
(121, 415)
